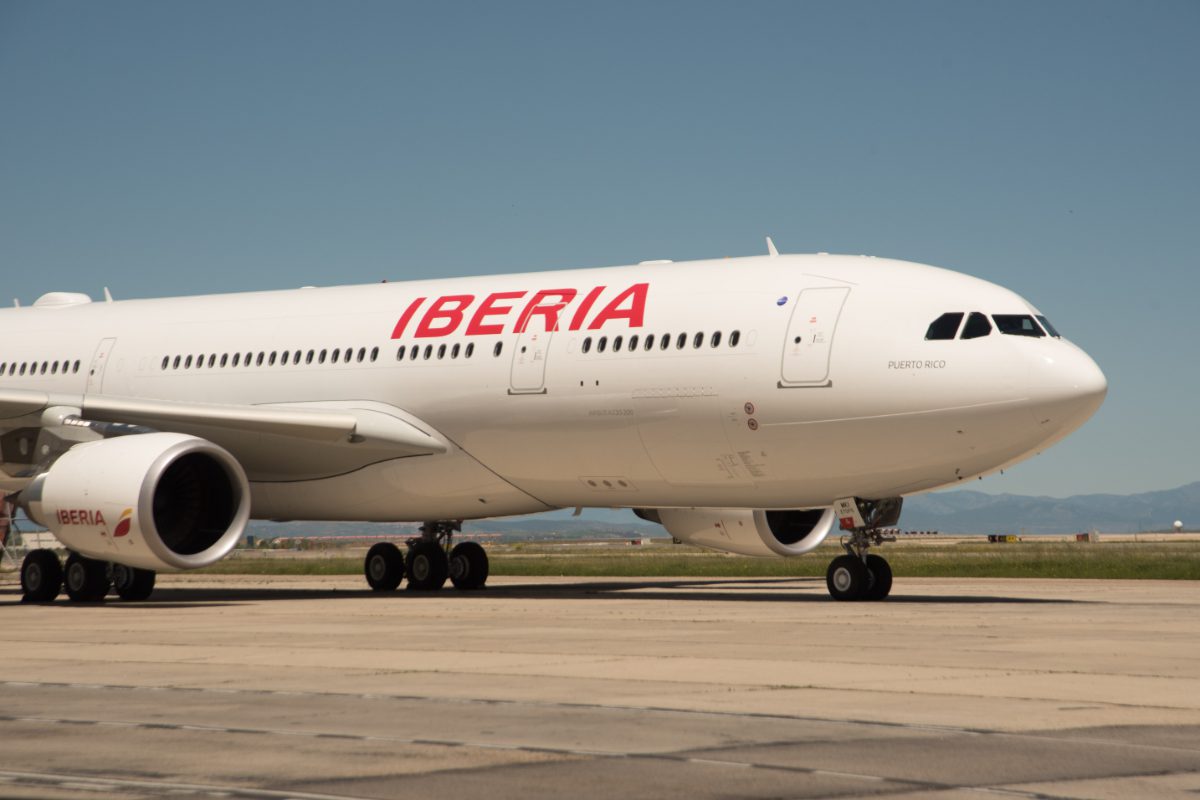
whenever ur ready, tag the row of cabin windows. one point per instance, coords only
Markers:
(39, 368)
(946, 326)
(263, 358)
(414, 352)
(663, 342)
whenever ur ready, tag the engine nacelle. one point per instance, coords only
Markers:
(749, 532)
(153, 500)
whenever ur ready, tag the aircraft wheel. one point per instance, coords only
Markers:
(847, 578)
(86, 579)
(41, 576)
(427, 566)
(881, 578)
(132, 583)
(468, 566)
(384, 567)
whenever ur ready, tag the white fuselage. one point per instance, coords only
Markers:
(742, 415)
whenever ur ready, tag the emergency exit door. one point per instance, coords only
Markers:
(809, 343)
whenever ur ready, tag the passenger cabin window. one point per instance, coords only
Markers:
(945, 326)
(1018, 325)
(734, 338)
(1049, 328)
(976, 327)
(587, 344)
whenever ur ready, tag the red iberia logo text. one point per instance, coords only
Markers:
(445, 315)
(95, 519)
(81, 516)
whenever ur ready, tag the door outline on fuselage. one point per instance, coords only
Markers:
(96, 370)
(808, 345)
(528, 372)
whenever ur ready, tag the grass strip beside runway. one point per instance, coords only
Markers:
(1117, 560)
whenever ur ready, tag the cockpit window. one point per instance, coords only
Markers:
(945, 326)
(977, 326)
(1018, 325)
(1049, 328)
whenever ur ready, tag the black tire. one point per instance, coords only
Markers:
(847, 578)
(132, 584)
(384, 567)
(881, 578)
(86, 579)
(428, 567)
(468, 566)
(41, 577)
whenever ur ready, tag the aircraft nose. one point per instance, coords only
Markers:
(1071, 388)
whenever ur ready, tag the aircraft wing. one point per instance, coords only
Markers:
(277, 441)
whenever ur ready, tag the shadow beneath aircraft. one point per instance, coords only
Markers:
(728, 590)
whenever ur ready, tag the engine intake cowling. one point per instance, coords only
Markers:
(749, 532)
(154, 501)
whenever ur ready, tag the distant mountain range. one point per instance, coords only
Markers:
(976, 512)
(956, 511)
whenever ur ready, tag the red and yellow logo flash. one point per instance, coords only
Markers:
(123, 524)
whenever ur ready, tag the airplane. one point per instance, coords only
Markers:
(751, 405)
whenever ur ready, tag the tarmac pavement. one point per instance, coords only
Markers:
(299, 687)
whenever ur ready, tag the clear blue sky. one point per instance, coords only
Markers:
(170, 148)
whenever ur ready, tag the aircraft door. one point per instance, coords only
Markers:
(809, 342)
(95, 380)
(529, 362)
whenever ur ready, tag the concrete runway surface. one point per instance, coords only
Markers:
(281, 687)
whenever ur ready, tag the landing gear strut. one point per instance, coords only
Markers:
(861, 575)
(430, 561)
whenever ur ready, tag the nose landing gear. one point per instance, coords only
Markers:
(861, 575)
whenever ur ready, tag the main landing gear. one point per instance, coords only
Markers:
(861, 575)
(430, 561)
(87, 580)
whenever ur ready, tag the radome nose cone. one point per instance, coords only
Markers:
(1073, 389)
(1083, 382)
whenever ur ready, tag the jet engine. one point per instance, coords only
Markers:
(749, 532)
(153, 501)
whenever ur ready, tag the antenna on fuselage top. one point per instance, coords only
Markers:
(771, 251)
(107, 295)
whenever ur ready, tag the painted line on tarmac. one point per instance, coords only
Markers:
(924, 727)
(87, 783)
(64, 781)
